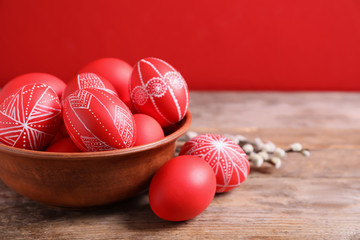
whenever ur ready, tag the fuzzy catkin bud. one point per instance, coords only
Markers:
(256, 159)
(191, 134)
(306, 153)
(276, 161)
(248, 148)
(264, 155)
(280, 153)
(296, 147)
(269, 147)
(258, 143)
(240, 138)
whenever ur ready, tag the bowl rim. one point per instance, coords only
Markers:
(184, 126)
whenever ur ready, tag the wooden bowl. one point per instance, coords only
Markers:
(87, 178)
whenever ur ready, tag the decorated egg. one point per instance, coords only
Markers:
(63, 145)
(97, 120)
(30, 117)
(13, 85)
(117, 72)
(88, 80)
(148, 130)
(228, 160)
(182, 188)
(158, 90)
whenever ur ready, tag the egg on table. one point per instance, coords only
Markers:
(182, 188)
(228, 160)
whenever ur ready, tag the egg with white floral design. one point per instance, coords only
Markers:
(158, 90)
(229, 162)
(97, 120)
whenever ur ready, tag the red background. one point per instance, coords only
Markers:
(234, 44)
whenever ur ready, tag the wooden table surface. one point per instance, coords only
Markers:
(307, 198)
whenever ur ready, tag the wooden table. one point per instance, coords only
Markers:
(307, 198)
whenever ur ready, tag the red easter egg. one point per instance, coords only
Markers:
(63, 145)
(98, 121)
(158, 90)
(63, 130)
(148, 130)
(182, 188)
(228, 160)
(117, 72)
(88, 80)
(30, 117)
(13, 85)
(58, 136)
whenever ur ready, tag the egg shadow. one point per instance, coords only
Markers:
(137, 214)
(134, 213)
(222, 194)
(262, 170)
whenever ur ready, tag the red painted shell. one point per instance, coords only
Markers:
(160, 91)
(98, 121)
(117, 72)
(228, 160)
(31, 78)
(30, 118)
(88, 80)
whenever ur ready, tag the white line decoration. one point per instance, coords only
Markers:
(89, 80)
(92, 80)
(86, 115)
(139, 95)
(228, 160)
(156, 87)
(124, 123)
(94, 144)
(183, 83)
(80, 99)
(166, 86)
(150, 96)
(175, 80)
(30, 117)
(159, 86)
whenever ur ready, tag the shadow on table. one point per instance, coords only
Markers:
(134, 213)
(263, 170)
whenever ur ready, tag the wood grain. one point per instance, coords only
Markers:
(273, 207)
(307, 198)
(275, 110)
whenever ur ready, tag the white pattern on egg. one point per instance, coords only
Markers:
(35, 127)
(162, 84)
(225, 157)
(88, 140)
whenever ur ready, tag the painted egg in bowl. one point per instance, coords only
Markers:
(84, 179)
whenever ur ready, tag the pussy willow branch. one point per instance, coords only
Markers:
(258, 152)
